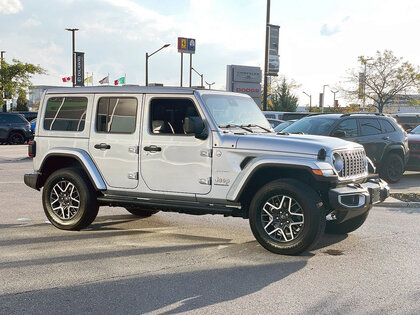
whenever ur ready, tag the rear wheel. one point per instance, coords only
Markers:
(286, 216)
(348, 226)
(16, 138)
(140, 212)
(393, 168)
(69, 199)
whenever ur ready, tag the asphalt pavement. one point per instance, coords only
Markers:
(175, 263)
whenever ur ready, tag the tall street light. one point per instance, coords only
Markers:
(334, 92)
(4, 107)
(267, 34)
(147, 61)
(310, 100)
(201, 75)
(210, 84)
(364, 61)
(323, 97)
(73, 37)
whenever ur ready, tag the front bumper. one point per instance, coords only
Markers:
(355, 199)
(32, 180)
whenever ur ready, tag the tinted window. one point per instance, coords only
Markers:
(349, 127)
(116, 115)
(12, 118)
(270, 116)
(65, 113)
(408, 119)
(314, 126)
(386, 126)
(167, 115)
(369, 126)
(291, 116)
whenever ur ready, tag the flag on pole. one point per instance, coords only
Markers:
(89, 79)
(119, 81)
(67, 79)
(104, 80)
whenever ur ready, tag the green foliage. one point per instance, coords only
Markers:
(282, 98)
(16, 77)
(386, 77)
(22, 101)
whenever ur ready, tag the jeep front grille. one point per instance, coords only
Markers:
(353, 163)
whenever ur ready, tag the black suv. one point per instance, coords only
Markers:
(14, 128)
(385, 142)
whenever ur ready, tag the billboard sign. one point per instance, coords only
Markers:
(246, 74)
(186, 45)
(273, 53)
(79, 71)
(251, 89)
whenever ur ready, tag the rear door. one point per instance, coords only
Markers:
(114, 138)
(371, 138)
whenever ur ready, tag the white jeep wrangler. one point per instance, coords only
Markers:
(152, 149)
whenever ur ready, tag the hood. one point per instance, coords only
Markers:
(296, 143)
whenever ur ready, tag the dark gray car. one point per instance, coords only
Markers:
(14, 128)
(385, 142)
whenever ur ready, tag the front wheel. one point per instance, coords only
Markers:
(348, 226)
(69, 199)
(286, 216)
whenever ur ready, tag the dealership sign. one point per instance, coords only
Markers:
(186, 45)
(79, 71)
(244, 79)
(252, 89)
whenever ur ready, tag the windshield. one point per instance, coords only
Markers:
(234, 110)
(313, 126)
(416, 130)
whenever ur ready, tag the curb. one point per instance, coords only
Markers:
(399, 204)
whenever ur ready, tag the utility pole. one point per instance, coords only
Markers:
(73, 31)
(147, 62)
(310, 100)
(267, 30)
(4, 107)
(323, 97)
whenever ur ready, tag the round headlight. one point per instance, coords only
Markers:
(337, 162)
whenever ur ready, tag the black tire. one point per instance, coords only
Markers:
(87, 209)
(140, 212)
(16, 138)
(304, 200)
(351, 225)
(392, 169)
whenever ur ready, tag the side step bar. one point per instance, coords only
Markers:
(172, 206)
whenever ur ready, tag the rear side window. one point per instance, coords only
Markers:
(369, 127)
(65, 113)
(116, 115)
(349, 127)
(386, 126)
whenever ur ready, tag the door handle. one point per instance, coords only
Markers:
(152, 148)
(385, 138)
(102, 146)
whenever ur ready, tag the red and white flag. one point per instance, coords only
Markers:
(67, 79)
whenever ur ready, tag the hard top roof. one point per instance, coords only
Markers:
(121, 89)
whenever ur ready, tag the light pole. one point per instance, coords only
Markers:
(201, 75)
(334, 92)
(323, 97)
(210, 84)
(4, 107)
(73, 37)
(267, 30)
(364, 61)
(310, 100)
(147, 61)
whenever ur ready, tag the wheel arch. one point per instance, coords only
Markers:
(393, 148)
(76, 158)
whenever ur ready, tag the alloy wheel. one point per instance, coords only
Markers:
(65, 200)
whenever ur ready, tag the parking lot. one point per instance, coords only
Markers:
(175, 263)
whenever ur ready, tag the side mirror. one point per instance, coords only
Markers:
(195, 125)
(339, 134)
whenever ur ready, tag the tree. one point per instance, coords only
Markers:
(16, 77)
(282, 98)
(381, 78)
(22, 101)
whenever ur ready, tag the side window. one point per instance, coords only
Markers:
(369, 126)
(272, 116)
(349, 127)
(116, 115)
(65, 113)
(167, 115)
(386, 126)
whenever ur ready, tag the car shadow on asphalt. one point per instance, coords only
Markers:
(163, 293)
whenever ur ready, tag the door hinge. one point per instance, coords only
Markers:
(134, 149)
(207, 153)
(133, 175)
(205, 181)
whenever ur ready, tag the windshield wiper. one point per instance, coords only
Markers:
(255, 125)
(236, 126)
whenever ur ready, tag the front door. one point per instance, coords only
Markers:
(114, 138)
(171, 159)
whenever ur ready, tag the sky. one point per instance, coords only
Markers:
(319, 40)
